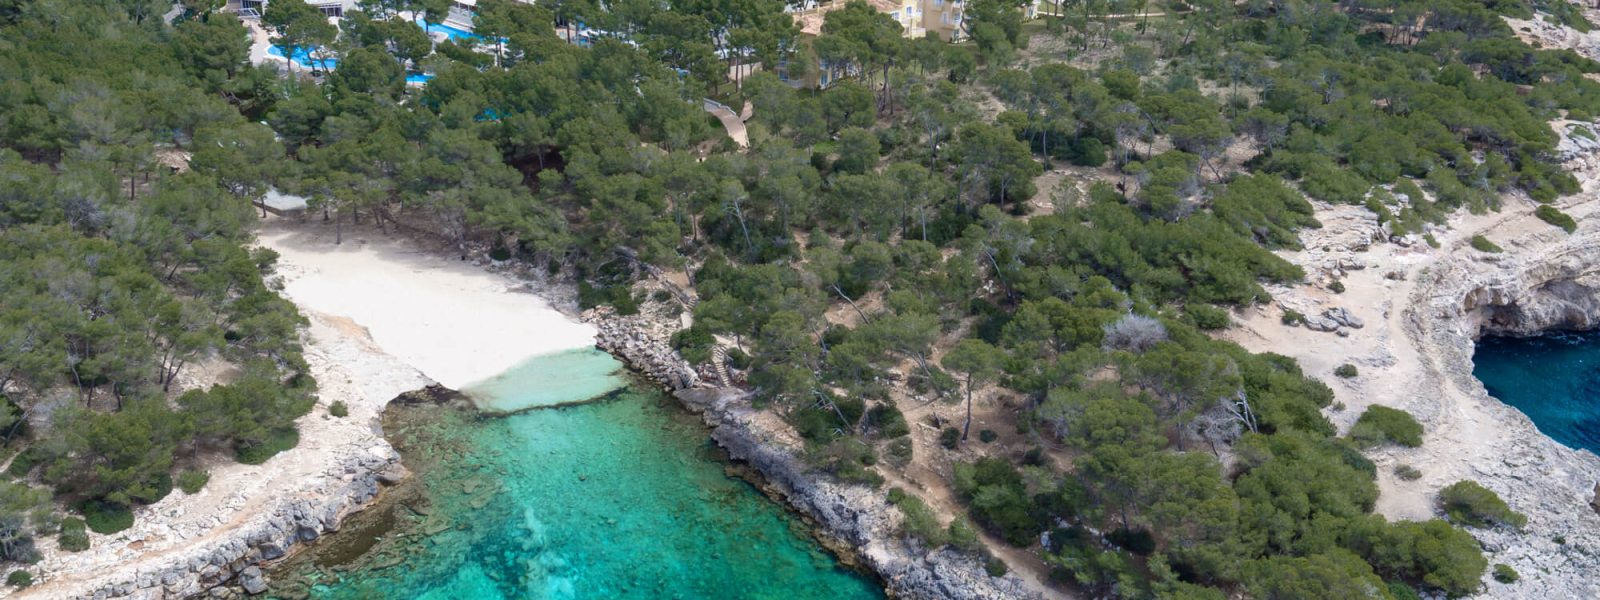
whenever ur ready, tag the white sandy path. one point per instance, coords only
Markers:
(454, 321)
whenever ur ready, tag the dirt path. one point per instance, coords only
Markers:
(732, 122)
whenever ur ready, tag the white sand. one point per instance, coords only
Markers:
(455, 322)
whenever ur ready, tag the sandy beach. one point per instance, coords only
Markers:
(455, 322)
(386, 316)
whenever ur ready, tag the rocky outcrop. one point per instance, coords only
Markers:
(859, 518)
(644, 350)
(857, 515)
(232, 557)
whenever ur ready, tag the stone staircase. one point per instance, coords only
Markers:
(719, 364)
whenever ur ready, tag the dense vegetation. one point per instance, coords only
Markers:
(120, 276)
(1163, 462)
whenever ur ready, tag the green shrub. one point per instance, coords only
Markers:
(277, 441)
(19, 579)
(661, 296)
(74, 535)
(737, 359)
(24, 463)
(1432, 242)
(1381, 424)
(192, 480)
(1346, 371)
(962, 535)
(106, 518)
(900, 452)
(887, 421)
(995, 567)
(159, 488)
(1206, 316)
(1407, 473)
(950, 437)
(1293, 317)
(994, 490)
(499, 255)
(1482, 244)
(339, 409)
(694, 344)
(1550, 215)
(1136, 541)
(987, 436)
(920, 522)
(1468, 502)
(1336, 287)
(1503, 573)
(1401, 591)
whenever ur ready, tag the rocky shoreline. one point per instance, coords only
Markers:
(854, 518)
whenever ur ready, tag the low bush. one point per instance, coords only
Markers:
(23, 463)
(106, 518)
(920, 522)
(1293, 317)
(277, 441)
(1472, 504)
(950, 437)
(1482, 244)
(1206, 316)
(1336, 287)
(1503, 573)
(1407, 473)
(1550, 215)
(192, 480)
(887, 421)
(19, 579)
(1346, 371)
(1401, 591)
(694, 344)
(998, 499)
(995, 567)
(899, 452)
(1381, 424)
(74, 535)
(962, 535)
(987, 436)
(339, 409)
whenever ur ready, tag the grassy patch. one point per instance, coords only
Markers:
(192, 480)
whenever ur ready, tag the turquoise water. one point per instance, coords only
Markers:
(625, 497)
(1554, 379)
(550, 380)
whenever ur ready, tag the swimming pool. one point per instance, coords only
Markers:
(303, 57)
(455, 33)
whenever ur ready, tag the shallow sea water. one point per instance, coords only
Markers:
(625, 497)
(1554, 379)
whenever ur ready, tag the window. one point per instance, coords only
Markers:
(938, 3)
(332, 10)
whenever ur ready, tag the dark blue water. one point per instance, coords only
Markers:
(1554, 379)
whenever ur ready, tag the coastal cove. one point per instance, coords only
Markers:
(625, 496)
(1554, 379)
(559, 476)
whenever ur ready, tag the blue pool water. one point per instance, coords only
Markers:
(1554, 379)
(303, 57)
(455, 33)
(624, 497)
